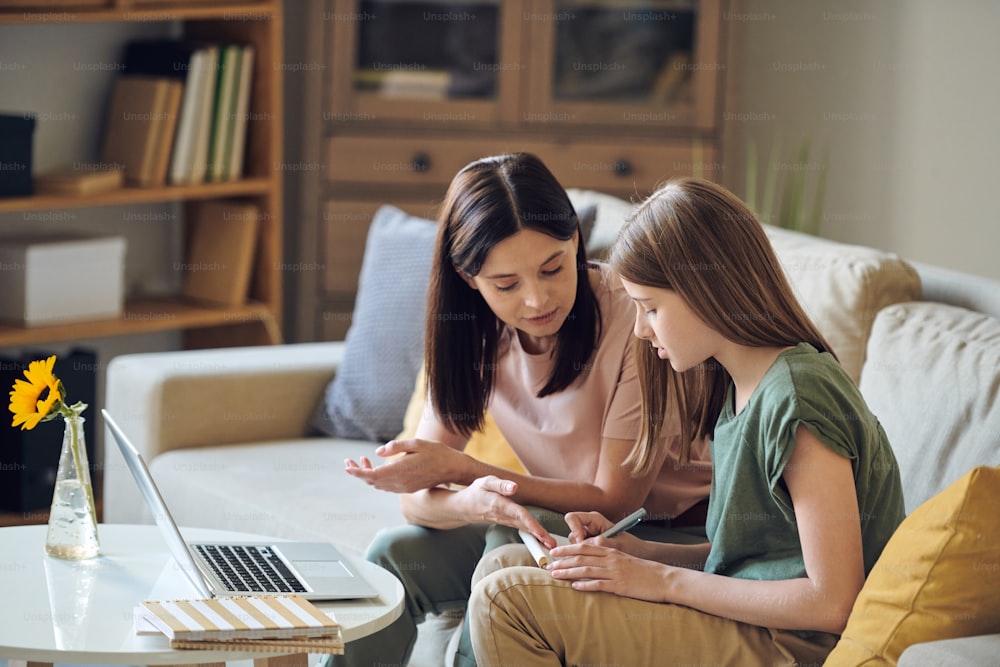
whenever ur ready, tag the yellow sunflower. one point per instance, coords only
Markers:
(36, 399)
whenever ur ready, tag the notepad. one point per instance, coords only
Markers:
(239, 619)
(539, 552)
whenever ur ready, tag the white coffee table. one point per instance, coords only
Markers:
(81, 612)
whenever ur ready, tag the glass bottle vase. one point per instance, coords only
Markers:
(72, 532)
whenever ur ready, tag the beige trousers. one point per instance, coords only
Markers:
(520, 615)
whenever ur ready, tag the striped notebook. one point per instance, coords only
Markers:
(239, 618)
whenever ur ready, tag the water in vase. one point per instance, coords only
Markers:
(72, 533)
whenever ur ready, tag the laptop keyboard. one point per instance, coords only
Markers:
(255, 569)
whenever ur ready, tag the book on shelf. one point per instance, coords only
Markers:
(539, 552)
(224, 99)
(194, 63)
(236, 142)
(426, 84)
(140, 127)
(212, 124)
(267, 623)
(83, 181)
(222, 238)
(206, 105)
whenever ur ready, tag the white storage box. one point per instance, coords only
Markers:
(56, 279)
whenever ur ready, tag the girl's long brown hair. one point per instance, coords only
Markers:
(698, 239)
(488, 201)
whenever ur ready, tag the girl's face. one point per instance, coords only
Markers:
(529, 282)
(676, 332)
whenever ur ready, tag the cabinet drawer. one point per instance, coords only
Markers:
(422, 161)
(621, 167)
(627, 168)
(345, 228)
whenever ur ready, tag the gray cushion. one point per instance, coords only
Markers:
(933, 379)
(384, 346)
(587, 215)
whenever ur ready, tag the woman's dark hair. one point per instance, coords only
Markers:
(488, 201)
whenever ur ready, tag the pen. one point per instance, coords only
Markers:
(628, 522)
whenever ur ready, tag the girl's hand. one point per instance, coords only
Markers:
(488, 500)
(591, 567)
(414, 465)
(586, 524)
(586, 527)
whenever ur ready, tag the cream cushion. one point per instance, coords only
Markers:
(842, 287)
(927, 363)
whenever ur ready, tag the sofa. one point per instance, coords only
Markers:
(230, 435)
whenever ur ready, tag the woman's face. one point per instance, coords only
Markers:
(529, 282)
(664, 319)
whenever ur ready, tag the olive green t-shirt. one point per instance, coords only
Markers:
(751, 520)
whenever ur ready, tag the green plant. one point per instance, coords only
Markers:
(795, 210)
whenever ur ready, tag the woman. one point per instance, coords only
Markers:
(805, 489)
(520, 323)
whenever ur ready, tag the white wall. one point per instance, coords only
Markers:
(903, 92)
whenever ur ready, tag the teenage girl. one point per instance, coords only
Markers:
(805, 489)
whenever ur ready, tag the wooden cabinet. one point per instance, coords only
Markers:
(614, 96)
(256, 22)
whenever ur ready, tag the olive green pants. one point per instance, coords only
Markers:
(519, 615)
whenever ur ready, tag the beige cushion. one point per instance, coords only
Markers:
(933, 379)
(842, 287)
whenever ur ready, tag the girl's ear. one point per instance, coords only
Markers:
(465, 276)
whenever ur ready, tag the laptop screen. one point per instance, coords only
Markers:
(171, 534)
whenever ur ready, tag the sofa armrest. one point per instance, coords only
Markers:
(197, 398)
(981, 650)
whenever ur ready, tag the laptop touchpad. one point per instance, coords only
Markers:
(313, 569)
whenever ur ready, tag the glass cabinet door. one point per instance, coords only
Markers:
(622, 62)
(421, 60)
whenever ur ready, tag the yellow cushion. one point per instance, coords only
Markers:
(487, 445)
(938, 577)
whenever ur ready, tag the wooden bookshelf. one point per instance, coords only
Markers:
(142, 316)
(257, 322)
(133, 195)
(254, 22)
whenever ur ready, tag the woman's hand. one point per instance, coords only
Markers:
(488, 500)
(414, 465)
(590, 566)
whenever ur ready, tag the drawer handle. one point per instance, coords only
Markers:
(421, 162)
(622, 167)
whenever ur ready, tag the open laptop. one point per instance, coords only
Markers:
(314, 570)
